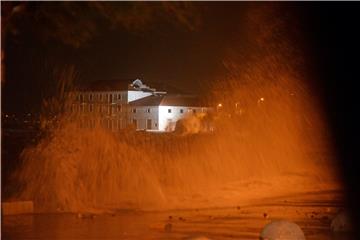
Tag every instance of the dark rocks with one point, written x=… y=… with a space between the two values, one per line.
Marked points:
x=282 y=230
x=168 y=227
x=341 y=222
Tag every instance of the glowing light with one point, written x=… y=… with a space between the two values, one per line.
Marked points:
x=261 y=100
x=219 y=105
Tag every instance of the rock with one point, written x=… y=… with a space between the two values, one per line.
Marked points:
x=168 y=227
x=86 y=215
x=282 y=230
x=341 y=222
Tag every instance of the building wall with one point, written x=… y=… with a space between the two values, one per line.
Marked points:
x=169 y=115
x=135 y=95
x=146 y=117
x=110 y=97
x=107 y=108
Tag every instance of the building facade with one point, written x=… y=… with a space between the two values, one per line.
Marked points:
x=116 y=107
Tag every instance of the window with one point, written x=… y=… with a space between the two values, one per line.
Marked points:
x=119 y=108
x=134 y=122
x=181 y=110
x=91 y=108
x=111 y=98
x=101 y=96
x=148 y=110
x=90 y=97
x=119 y=96
x=194 y=110
x=169 y=110
x=156 y=124
x=148 y=124
x=134 y=110
x=81 y=98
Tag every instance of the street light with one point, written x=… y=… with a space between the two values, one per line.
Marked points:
x=219 y=106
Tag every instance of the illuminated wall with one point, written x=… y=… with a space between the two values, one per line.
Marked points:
x=169 y=115
x=144 y=117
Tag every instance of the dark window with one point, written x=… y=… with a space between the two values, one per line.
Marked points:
x=194 y=110
x=148 y=124
x=135 y=122
x=156 y=124
x=90 y=97
x=181 y=110
x=119 y=108
x=148 y=110
x=134 y=110
x=119 y=96
x=169 y=110
x=111 y=98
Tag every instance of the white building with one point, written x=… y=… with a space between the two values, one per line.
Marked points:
x=138 y=105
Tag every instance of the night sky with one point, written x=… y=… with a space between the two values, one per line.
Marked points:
x=160 y=48
x=181 y=44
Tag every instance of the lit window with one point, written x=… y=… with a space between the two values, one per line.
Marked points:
x=169 y=110
x=181 y=110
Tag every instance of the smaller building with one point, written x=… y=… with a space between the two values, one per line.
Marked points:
x=162 y=112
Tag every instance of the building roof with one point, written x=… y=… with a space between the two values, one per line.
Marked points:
x=168 y=100
x=106 y=85
x=123 y=85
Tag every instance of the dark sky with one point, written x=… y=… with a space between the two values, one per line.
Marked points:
x=162 y=50
x=183 y=45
